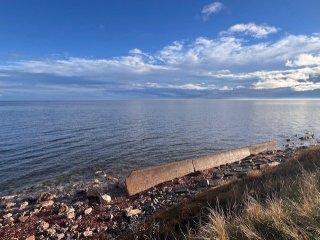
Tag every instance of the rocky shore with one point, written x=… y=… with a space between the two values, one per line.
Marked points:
x=104 y=211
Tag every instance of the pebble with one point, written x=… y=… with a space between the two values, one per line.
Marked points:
x=23 y=218
x=132 y=212
x=273 y=164
x=51 y=232
x=94 y=191
x=106 y=198
x=87 y=211
x=70 y=213
x=9 y=220
x=31 y=238
x=182 y=190
x=108 y=217
x=43 y=225
x=10 y=205
x=45 y=196
x=204 y=183
x=87 y=233
x=8 y=215
x=24 y=205
x=59 y=236
x=46 y=204
x=63 y=208
x=219 y=175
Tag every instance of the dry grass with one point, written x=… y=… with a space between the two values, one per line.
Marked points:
x=278 y=203
x=283 y=203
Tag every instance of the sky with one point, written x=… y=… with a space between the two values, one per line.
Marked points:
x=151 y=49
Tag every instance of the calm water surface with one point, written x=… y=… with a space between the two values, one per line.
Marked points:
x=52 y=143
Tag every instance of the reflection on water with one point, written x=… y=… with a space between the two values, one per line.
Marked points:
x=42 y=142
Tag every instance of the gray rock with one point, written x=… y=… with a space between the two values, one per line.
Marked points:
x=204 y=183
x=182 y=190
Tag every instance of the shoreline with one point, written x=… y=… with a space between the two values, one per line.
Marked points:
x=90 y=214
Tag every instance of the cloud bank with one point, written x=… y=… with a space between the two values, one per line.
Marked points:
x=205 y=67
x=251 y=29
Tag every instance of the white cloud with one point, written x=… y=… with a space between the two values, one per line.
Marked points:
x=135 y=51
x=297 y=79
x=86 y=67
x=187 y=86
x=251 y=29
x=304 y=60
x=210 y=9
x=204 y=64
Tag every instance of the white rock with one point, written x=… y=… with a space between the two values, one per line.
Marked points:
x=70 y=213
x=59 y=236
x=106 y=198
x=87 y=233
x=132 y=212
x=24 y=205
x=87 y=211
x=273 y=164
x=8 y=215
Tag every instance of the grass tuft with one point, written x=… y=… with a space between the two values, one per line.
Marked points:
x=280 y=204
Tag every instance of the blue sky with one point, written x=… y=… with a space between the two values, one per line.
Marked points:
x=159 y=49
